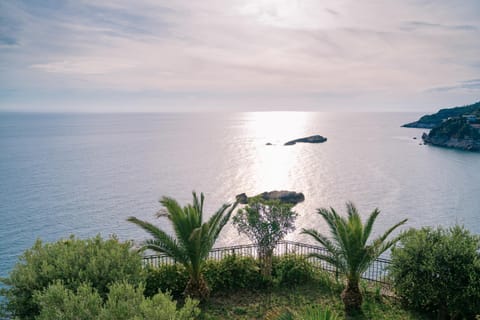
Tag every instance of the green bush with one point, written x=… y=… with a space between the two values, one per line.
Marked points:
x=230 y=273
x=438 y=271
x=169 y=277
x=124 y=302
x=292 y=270
x=72 y=261
x=234 y=272
x=309 y=313
x=57 y=302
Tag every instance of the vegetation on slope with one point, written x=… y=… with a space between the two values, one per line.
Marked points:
x=433 y=120
x=457 y=128
x=105 y=279
x=454 y=133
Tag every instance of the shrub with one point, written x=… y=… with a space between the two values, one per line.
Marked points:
x=230 y=273
x=124 y=301
x=309 y=313
x=234 y=272
x=438 y=271
x=169 y=277
x=292 y=270
x=72 y=261
x=57 y=302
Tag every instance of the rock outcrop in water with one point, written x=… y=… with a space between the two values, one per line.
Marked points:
x=311 y=139
x=457 y=127
x=283 y=196
x=454 y=133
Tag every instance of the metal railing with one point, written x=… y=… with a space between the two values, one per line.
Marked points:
x=376 y=273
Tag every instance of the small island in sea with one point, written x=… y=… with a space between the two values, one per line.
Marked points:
x=457 y=127
x=312 y=139
x=290 y=197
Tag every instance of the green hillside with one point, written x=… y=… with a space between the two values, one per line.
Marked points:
x=433 y=120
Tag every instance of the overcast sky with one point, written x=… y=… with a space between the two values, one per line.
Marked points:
x=188 y=55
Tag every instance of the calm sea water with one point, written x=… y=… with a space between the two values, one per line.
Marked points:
x=85 y=174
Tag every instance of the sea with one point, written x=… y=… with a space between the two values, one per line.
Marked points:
x=85 y=174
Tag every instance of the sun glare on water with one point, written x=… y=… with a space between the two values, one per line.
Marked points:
x=274 y=164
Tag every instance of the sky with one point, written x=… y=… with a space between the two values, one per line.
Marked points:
x=248 y=55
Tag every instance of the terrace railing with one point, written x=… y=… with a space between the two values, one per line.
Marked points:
x=378 y=271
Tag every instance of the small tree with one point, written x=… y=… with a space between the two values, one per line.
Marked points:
x=438 y=271
x=265 y=222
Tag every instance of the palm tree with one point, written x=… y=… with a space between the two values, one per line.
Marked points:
x=193 y=238
x=348 y=250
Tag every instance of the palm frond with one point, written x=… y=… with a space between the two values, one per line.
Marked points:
x=162 y=242
x=369 y=225
x=324 y=241
x=176 y=253
x=218 y=220
x=179 y=217
x=330 y=259
x=330 y=217
x=384 y=246
x=198 y=205
x=380 y=240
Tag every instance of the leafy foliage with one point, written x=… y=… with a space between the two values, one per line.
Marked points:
x=265 y=223
x=455 y=128
x=348 y=249
x=58 y=302
x=124 y=302
x=193 y=239
x=292 y=270
x=443 y=114
x=72 y=261
x=309 y=313
x=230 y=273
x=171 y=278
x=234 y=273
x=438 y=271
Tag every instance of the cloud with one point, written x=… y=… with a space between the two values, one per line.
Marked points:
x=421 y=25
x=8 y=41
x=85 y=66
x=331 y=11
x=467 y=85
x=248 y=50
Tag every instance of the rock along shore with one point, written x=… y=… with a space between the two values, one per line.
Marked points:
x=290 y=197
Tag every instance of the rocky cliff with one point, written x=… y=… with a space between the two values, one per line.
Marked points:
x=454 y=133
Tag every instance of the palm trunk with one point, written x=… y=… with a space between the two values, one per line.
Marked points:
x=197 y=288
x=352 y=297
